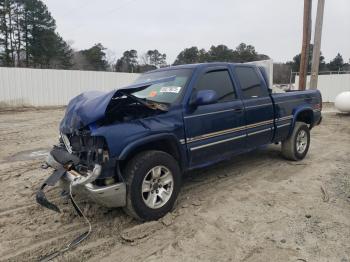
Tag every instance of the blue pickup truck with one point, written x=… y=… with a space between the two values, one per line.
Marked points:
x=129 y=147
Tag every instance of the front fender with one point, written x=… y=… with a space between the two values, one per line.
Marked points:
x=145 y=140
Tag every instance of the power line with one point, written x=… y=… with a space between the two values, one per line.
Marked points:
x=80 y=7
x=118 y=8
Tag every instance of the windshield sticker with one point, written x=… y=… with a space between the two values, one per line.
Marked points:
x=170 y=89
x=152 y=94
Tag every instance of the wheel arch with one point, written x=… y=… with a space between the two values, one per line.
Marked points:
x=168 y=143
x=303 y=114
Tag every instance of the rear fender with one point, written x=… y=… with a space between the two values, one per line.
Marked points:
x=298 y=112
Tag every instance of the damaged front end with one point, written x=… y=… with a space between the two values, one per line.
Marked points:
x=82 y=162
x=95 y=128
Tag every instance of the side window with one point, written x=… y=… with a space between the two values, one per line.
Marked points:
x=220 y=82
x=250 y=82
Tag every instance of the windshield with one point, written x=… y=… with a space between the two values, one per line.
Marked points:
x=165 y=92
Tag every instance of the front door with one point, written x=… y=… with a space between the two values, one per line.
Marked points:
x=217 y=130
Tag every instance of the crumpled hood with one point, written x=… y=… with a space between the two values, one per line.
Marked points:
x=84 y=109
x=91 y=106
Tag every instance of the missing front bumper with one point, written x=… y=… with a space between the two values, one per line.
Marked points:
x=109 y=196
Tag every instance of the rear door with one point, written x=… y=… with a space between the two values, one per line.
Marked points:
x=216 y=130
x=259 y=111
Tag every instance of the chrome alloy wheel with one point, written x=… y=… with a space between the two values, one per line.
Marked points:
x=301 y=142
x=157 y=187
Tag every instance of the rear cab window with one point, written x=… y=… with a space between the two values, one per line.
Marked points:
x=250 y=82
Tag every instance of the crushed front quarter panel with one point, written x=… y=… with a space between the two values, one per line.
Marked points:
x=118 y=136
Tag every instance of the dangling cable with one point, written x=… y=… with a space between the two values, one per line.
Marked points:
x=76 y=241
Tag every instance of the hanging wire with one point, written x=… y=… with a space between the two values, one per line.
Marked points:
x=76 y=241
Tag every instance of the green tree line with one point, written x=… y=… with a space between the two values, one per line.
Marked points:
x=282 y=73
x=130 y=62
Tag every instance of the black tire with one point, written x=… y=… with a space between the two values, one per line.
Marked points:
x=289 y=146
x=136 y=170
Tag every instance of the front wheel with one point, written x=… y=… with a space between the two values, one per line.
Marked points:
x=297 y=145
x=153 y=180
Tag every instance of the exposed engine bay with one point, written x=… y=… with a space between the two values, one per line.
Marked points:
x=93 y=150
x=126 y=107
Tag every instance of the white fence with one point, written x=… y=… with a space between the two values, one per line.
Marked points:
x=329 y=85
x=47 y=87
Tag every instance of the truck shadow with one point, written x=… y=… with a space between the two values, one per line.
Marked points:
x=233 y=166
x=197 y=180
x=192 y=180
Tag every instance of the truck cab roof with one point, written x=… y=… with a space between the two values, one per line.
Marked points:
x=198 y=65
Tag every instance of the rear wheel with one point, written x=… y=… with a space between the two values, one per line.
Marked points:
x=153 y=180
x=297 y=145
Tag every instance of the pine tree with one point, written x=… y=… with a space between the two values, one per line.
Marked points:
x=5 y=33
x=156 y=58
x=95 y=57
x=128 y=62
x=337 y=63
x=28 y=37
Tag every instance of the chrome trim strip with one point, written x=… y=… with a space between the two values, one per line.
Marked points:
x=227 y=131
x=287 y=101
x=214 y=134
x=283 y=125
x=236 y=129
x=217 y=142
x=211 y=113
x=269 y=104
x=259 y=124
x=260 y=131
x=284 y=118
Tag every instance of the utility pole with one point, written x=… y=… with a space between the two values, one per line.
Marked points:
x=317 y=44
x=306 y=44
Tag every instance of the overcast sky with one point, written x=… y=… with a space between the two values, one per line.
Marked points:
x=274 y=27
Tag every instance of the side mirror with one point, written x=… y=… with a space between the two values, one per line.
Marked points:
x=204 y=97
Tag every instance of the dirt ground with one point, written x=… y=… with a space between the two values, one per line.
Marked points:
x=256 y=207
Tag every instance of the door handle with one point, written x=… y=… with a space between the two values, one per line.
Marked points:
x=238 y=110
